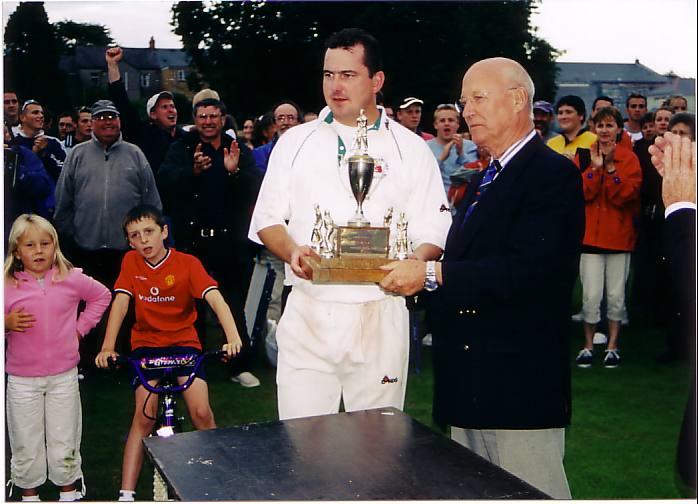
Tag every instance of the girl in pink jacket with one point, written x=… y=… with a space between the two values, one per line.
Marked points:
x=42 y=331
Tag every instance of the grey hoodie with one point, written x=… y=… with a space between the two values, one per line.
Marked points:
x=96 y=189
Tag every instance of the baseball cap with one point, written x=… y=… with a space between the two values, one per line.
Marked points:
x=103 y=106
x=544 y=106
x=153 y=100
x=410 y=100
x=205 y=94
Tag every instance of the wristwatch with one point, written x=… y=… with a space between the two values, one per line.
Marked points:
x=430 y=283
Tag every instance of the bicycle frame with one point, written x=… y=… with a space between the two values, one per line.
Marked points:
x=168 y=385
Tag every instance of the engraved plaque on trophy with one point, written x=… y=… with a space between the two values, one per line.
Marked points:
x=354 y=253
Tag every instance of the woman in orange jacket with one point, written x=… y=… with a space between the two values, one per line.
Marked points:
x=611 y=177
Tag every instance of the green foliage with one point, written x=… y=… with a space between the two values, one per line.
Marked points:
x=74 y=34
x=255 y=53
x=32 y=50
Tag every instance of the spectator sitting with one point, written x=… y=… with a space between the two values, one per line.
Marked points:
x=570 y=117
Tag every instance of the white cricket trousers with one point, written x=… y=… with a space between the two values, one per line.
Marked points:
x=44 y=422
x=357 y=352
x=599 y=272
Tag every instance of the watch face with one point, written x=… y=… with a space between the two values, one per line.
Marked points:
x=430 y=285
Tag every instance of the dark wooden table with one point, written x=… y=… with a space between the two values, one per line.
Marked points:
x=379 y=454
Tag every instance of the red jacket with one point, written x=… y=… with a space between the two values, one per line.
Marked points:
x=612 y=202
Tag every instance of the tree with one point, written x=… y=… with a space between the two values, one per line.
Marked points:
x=255 y=53
x=74 y=34
x=32 y=50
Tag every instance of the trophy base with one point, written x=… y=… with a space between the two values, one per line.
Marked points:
x=347 y=269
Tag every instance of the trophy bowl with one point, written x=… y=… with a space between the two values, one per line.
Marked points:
x=360 y=167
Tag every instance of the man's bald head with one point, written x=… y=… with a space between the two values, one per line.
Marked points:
x=497 y=97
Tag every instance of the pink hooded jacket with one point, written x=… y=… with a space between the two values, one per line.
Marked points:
x=50 y=347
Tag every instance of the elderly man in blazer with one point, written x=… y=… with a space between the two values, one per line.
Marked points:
x=503 y=288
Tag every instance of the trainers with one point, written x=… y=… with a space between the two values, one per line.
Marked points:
x=584 y=358
x=578 y=317
x=246 y=379
x=600 y=338
x=426 y=340
x=612 y=359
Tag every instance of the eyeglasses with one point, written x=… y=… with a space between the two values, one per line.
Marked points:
x=29 y=102
x=105 y=117
x=287 y=118
x=476 y=98
x=203 y=117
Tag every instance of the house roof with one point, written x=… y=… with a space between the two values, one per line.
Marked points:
x=578 y=73
x=92 y=57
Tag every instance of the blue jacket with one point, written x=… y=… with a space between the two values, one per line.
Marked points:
x=263 y=153
x=28 y=187
x=52 y=158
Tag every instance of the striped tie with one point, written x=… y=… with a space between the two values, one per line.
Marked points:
x=490 y=172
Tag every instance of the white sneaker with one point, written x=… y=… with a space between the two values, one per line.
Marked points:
x=426 y=340
x=246 y=379
x=600 y=338
x=578 y=317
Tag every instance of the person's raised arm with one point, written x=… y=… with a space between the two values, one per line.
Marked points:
x=113 y=55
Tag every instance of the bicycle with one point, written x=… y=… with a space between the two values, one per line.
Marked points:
x=167 y=386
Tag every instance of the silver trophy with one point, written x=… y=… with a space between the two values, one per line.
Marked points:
x=361 y=166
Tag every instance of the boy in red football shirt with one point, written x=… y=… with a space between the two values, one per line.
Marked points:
x=163 y=284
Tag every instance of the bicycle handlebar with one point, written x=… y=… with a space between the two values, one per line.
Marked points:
x=168 y=363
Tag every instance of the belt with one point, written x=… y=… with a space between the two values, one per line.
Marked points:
x=213 y=232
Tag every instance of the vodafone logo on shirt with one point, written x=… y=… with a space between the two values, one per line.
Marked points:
x=155 y=297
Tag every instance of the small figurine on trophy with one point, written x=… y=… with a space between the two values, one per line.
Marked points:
x=401 y=240
x=361 y=141
x=329 y=236
x=316 y=236
x=388 y=217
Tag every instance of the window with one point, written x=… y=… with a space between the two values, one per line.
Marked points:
x=145 y=80
x=181 y=75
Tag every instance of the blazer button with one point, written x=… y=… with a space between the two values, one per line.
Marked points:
x=466 y=347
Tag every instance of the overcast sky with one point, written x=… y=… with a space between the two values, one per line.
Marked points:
x=660 y=33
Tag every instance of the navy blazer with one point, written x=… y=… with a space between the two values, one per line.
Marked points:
x=501 y=317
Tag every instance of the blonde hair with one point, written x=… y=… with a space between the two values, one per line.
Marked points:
x=20 y=226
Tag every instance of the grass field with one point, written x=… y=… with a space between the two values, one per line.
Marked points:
x=621 y=443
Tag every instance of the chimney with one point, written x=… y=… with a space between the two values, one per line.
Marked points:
x=151 y=44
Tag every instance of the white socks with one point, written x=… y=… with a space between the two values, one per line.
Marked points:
x=69 y=496
x=31 y=498
x=127 y=495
